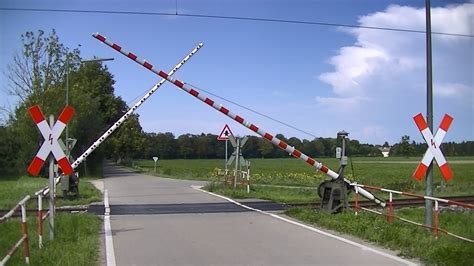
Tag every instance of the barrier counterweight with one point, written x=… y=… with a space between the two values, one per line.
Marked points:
x=219 y=107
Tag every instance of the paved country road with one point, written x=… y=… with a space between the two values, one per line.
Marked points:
x=210 y=233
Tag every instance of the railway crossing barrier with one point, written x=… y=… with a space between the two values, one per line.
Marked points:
x=51 y=134
x=219 y=107
x=390 y=216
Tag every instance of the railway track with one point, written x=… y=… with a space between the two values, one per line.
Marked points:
x=396 y=203
x=229 y=207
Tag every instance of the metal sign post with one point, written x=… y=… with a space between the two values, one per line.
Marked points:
x=238 y=144
x=51 y=189
x=226 y=155
x=429 y=112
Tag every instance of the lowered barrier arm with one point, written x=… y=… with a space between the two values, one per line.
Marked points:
x=117 y=124
x=219 y=107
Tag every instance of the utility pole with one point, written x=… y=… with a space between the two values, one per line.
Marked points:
x=429 y=113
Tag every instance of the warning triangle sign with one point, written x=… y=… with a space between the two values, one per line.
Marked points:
x=225 y=133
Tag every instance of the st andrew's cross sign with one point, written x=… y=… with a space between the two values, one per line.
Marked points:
x=433 y=151
x=51 y=136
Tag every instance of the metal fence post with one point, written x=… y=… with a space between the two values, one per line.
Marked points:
x=24 y=230
x=40 y=220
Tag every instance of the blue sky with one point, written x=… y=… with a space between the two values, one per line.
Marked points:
x=317 y=78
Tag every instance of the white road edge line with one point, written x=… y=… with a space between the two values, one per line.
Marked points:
x=109 y=242
x=363 y=247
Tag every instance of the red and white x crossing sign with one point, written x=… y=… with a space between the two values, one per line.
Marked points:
x=433 y=150
x=50 y=136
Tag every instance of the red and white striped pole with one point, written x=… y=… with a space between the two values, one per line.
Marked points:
x=219 y=107
x=24 y=231
x=117 y=124
x=390 y=208
x=436 y=220
x=40 y=220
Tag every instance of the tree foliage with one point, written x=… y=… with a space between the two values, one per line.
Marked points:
x=40 y=76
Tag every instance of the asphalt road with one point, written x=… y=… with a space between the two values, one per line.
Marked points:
x=184 y=226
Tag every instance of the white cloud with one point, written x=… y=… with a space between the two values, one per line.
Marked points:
x=340 y=103
x=382 y=75
x=453 y=90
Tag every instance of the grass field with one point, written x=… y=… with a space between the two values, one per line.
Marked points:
x=76 y=236
x=394 y=173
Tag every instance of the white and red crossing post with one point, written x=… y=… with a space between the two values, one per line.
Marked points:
x=51 y=144
x=433 y=151
x=219 y=107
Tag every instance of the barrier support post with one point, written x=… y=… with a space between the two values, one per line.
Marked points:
x=24 y=230
x=390 y=208
x=436 y=221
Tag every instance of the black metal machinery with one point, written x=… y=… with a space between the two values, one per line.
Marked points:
x=334 y=192
x=70 y=185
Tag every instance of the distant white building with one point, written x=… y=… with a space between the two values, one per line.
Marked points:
x=385 y=151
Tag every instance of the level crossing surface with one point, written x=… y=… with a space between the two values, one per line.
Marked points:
x=215 y=238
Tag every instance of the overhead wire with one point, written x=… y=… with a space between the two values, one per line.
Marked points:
x=254 y=111
x=318 y=23
x=301 y=22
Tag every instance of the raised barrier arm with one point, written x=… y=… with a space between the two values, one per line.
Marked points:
x=117 y=124
x=219 y=107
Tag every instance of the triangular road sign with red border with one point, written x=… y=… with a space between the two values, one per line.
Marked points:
x=225 y=133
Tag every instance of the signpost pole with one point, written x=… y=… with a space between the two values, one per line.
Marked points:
x=51 y=188
x=237 y=162
x=155 y=158
x=429 y=113
x=226 y=156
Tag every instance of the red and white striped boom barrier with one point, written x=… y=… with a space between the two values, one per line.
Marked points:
x=117 y=124
x=219 y=107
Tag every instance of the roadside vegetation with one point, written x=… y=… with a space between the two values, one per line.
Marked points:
x=410 y=241
x=76 y=237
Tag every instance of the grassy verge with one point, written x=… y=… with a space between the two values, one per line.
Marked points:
x=76 y=241
x=76 y=236
x=12 y=190
x=275 y=194
x=410 y=240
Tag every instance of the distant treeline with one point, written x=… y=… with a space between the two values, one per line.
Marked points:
x=206 y=146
